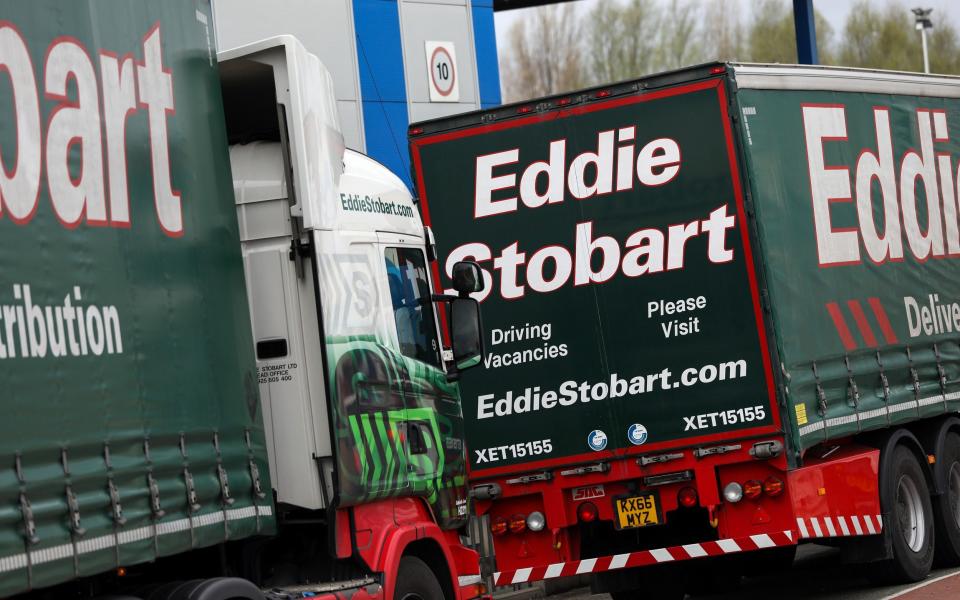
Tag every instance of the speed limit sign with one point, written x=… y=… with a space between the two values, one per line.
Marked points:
x=442 y=72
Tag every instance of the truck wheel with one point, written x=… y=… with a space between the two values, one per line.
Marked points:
x=416 y=581
x=905 y=498
x=946 y=507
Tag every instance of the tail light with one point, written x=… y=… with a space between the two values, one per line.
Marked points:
x=498 y=526
x=587 y=512
x=518 y=523
x=687 y=497
x=752 y=489
x=773 y=486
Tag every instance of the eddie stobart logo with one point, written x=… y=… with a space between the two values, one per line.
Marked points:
x=90 y=117
x=597 y=440
x=374 y=205
x=619 y=164
x=934 y=234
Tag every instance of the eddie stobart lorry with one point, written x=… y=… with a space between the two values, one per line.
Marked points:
x=154 y=443
x=722 y=310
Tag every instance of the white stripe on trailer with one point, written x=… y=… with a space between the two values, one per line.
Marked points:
x=816 y=527
x=856 y=524
x=763 y=540
x=619 y=561
x=103 y=542
x=869 y=522
x=554 y=570
x=843 y=526
x=522 y=575
x=586 y=565
x=830 y=528
x=879 y=524
x=661 y=555
x=728 y=546
x=802 y=526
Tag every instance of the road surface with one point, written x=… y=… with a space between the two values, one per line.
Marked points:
x=818 y=575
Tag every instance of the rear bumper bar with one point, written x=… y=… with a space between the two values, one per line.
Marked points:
x=642 y=558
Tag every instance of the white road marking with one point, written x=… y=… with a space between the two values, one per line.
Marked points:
x=922 y=584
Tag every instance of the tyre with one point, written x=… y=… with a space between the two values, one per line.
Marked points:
x=416 y=581
x=946 y=507
x=905 y=499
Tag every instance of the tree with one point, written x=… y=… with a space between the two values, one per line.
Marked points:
x=678 y=44
x=944 y=49
x=561 y=49
x=544 y=54
x=771 y=36
x=722 y=31
x=623 y=40
x=880 y=39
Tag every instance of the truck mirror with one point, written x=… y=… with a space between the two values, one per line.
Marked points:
x=467 y=278
x=467 y=333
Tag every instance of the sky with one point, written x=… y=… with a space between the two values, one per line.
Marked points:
x=835 y=12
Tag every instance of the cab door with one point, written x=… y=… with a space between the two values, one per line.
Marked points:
x=433 y=422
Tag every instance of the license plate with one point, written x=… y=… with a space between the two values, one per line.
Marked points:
x=637 y=511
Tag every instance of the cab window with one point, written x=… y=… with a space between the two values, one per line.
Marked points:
x=412 y=306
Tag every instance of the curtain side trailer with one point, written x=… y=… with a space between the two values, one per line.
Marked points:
x=722 y=317
x=215 y=386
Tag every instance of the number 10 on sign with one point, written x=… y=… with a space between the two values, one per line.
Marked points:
x=442 y=76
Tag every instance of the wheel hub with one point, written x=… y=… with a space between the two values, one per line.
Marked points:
x=910 y=511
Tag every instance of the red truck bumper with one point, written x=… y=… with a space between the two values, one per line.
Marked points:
x=833 y=495
x=643 y=558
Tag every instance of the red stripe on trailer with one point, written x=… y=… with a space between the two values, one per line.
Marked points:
x=841 y=325
x=884 y=321
x=862 y=324
x=643 y=558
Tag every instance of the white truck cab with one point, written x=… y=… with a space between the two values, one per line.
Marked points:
x=359 y=398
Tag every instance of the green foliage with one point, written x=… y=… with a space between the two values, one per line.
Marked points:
x=944 y=47
x=880 y=39
x=561 y=48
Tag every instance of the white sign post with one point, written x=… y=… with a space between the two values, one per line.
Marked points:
x=442 y=72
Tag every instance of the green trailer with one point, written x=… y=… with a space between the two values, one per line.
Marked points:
x=220 y=364
x=730 y=289
x=132 y=428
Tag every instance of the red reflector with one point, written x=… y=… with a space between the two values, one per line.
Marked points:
x=498 y=526
x=416 y=131
x=604 y=94
x=773 y=486
x=752 y=489
x=587 y=512
x=687 y=497
x=564 y=101
x=525 y=109
x=518 y=523
x=717 y=70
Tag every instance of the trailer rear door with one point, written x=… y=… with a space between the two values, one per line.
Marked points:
x=621 y=307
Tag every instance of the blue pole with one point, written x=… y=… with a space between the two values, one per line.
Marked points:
x=805 y=26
